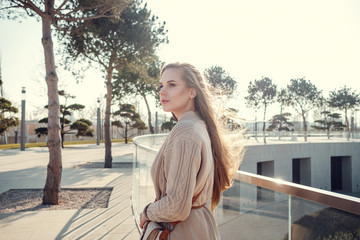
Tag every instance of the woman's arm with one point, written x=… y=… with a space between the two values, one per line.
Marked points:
x=185 y=160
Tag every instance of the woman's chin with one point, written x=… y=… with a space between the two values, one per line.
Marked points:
x=165 y=109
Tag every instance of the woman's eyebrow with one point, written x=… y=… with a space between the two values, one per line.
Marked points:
x=169 y=81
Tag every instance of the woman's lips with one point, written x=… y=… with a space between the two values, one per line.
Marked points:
x=164 y=101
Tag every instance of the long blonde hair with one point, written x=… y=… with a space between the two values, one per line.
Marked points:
x=226 y=158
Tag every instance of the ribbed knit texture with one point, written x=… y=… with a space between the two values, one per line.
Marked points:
x=182 y=167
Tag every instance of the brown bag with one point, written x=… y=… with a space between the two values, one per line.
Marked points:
x=154 y=231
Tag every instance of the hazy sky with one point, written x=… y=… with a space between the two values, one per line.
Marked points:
x=280 y=39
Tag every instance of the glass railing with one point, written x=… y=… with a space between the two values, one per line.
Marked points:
x=268 y=208
x=258 y=207
x=146 y=148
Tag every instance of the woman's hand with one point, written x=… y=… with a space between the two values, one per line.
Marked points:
x=142 y=220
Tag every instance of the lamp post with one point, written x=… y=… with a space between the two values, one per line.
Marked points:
x=23 y=96
x=98 y=130
x=156 y=123
x=16 y=135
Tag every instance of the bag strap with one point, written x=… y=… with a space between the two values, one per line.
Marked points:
x=193 y=201
x=197 y=195
x=166 y=232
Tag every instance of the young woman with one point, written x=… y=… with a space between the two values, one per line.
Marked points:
x=194 y=159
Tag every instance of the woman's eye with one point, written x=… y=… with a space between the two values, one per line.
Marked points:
x=171 y=85
x=160 y=87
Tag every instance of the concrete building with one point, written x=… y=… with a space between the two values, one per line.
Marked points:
x=332 y=165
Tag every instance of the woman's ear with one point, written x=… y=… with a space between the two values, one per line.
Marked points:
x=192 y=93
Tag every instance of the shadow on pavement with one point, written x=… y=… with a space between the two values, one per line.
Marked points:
x=117 y=219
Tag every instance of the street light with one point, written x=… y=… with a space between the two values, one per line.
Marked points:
x=16 y=135
x=156 y=123
x=98 y=123
x=23 y=98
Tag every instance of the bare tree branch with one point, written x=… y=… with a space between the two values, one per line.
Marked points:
x=69 y=19
x=60 y=7
x=10 y=7
x=78 y=9
x=32 y=6
x=92 y=59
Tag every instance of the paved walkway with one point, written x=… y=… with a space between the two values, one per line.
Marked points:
x=27 y=169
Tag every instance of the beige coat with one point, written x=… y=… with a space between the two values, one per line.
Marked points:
x=182 y=167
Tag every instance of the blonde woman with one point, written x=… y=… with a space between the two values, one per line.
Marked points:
x=194 y=159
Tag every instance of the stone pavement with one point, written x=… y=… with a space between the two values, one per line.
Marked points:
x=27 y=169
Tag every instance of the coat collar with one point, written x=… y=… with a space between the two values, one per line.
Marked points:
x=190 y=115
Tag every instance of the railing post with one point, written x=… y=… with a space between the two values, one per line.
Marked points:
x=23 y=123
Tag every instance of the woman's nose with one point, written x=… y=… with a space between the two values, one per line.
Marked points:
x=162 y=92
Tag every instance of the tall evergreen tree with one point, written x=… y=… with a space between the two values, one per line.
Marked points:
x=130 y=117
x=304 y=96
x=1 y=82
x=261 y=93
x=283 y=99
x=330 y=121
x=281 y=122
x=344 y=99
x=7 y=110
x=58 y=15
x=221 y=80
x=67 y=110
x=168 y=125
x=112 y=44
x=139 y=78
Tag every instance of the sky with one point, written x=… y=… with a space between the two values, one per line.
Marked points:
x=280 y=39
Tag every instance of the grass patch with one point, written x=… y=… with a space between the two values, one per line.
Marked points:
x=31 y=145
x=17 y=145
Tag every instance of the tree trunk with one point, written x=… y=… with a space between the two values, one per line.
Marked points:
x=347 y=126
x=264 y=125
x=256 y=126
x=126 y=130
x=108 y=157
x=346 y=121
x=151 y=128
x=54 y=169
x=305 y=127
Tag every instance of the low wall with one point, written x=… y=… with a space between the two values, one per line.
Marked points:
x=318 y=161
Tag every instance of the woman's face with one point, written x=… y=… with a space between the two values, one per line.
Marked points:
x=175 y=96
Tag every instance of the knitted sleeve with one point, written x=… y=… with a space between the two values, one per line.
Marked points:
x=185 y=160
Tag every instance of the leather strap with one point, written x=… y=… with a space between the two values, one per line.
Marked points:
x=197 y=195
x=193 y=201
x=197 y=207
x=164 y=235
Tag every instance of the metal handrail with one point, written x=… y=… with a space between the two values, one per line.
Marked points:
x=331 y=199
x=138 y=143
